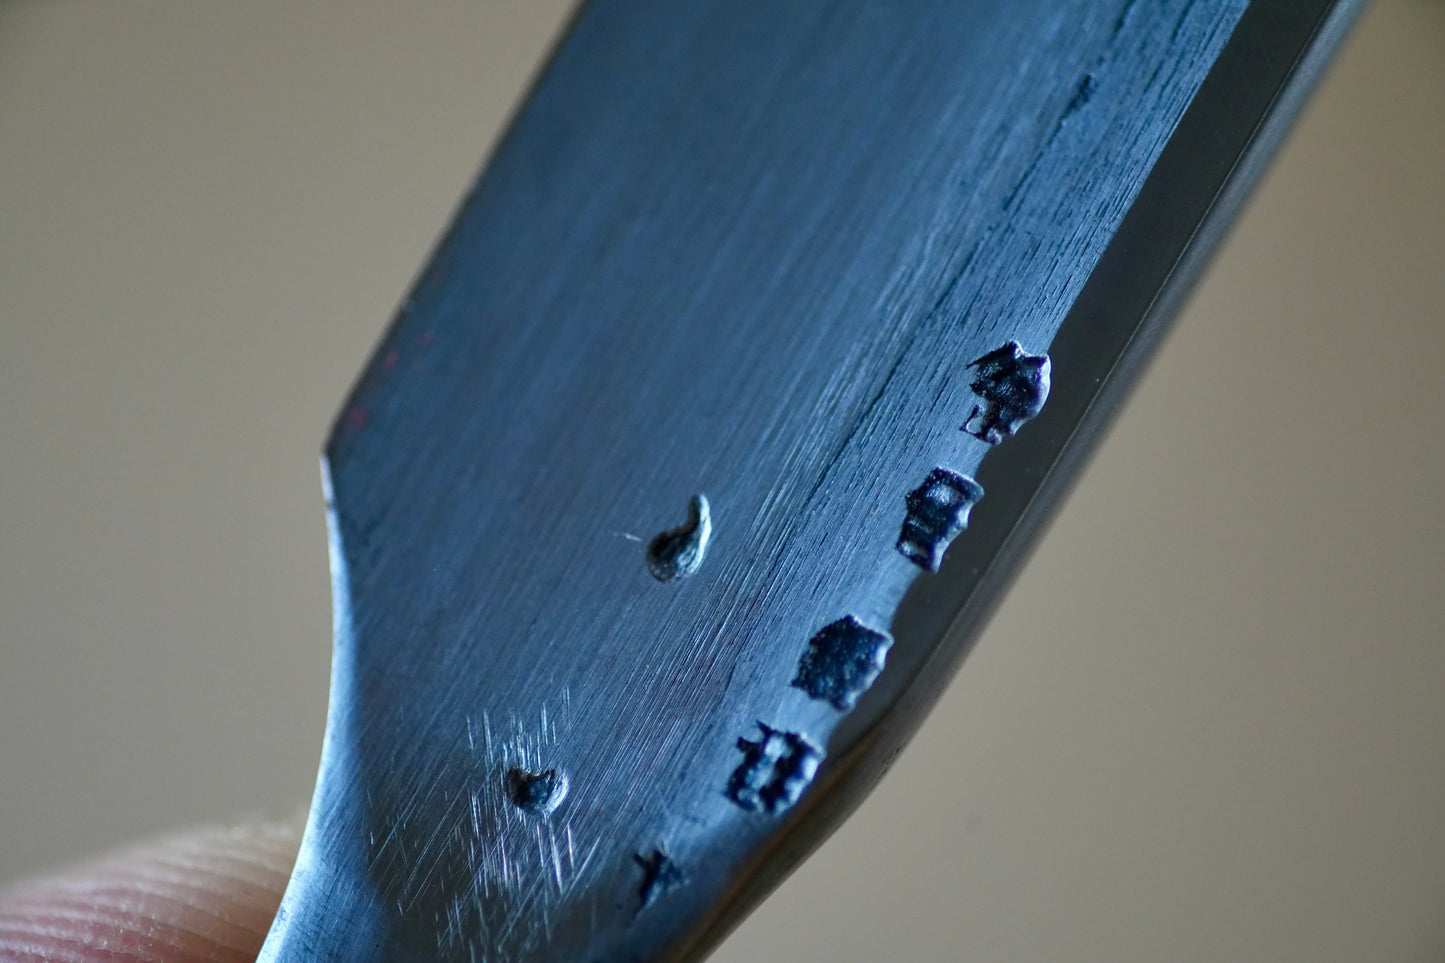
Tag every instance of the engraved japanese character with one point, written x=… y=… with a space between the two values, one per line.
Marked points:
x=1014 y=386
x=659 y=876
x=775 y=770
x=842 y=661
x=937 y=511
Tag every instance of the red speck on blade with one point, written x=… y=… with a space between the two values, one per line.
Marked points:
x=356 y=418
x=390 y=359
x=425 y=339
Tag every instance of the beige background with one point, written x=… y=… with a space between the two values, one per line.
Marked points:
x=1207 y=725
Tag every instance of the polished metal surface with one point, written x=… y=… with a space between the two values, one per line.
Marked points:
x=803 y=280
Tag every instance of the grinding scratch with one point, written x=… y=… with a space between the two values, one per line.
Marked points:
x=498 y=866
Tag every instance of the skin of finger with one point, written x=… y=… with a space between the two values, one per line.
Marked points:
x=207 y=894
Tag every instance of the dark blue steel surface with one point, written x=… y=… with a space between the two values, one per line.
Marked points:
x=743 y=250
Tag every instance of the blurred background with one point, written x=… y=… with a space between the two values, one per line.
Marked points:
x=1208 y=723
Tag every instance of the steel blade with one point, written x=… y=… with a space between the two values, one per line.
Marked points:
x=714 y=429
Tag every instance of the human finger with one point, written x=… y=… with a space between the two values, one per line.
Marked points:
x=206 y=894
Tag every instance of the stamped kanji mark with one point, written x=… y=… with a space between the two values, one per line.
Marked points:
x=775 y=770
x=937 y=511
x=842 y=661
x=678 y=552
x=1013 y=385
x=659 y=875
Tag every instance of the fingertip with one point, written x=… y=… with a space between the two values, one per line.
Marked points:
x=204 y=894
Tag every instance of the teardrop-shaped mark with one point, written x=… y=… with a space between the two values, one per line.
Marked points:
x=678 y=552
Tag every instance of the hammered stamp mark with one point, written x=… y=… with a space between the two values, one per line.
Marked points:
x=1013 y=385
x=841 y=662
x=937 y=511
x=774 y=772
x=659 y=876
